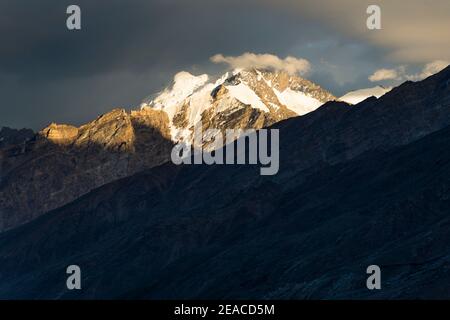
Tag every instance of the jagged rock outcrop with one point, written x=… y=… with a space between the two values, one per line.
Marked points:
x=60 y=133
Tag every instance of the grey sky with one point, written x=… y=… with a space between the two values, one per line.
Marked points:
x=127 y=50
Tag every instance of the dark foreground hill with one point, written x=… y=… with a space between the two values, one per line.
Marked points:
x=357 y=186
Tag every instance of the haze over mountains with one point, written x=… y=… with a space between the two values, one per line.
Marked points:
x=358 y=185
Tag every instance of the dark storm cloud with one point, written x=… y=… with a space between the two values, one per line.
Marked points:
x=132 y=35
x=127 y=50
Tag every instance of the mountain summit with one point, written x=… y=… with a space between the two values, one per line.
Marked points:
x=242 y=99
x=63 y=162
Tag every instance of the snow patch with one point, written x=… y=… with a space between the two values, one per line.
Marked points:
x=246 y=95
x=297 y=101
x=355 y=97
x=185 y=84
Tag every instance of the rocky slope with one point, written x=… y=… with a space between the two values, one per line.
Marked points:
x=63 y=162
x=358 y=185
x=13 y=137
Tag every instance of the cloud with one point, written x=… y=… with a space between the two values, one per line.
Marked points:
x=429 y=69
x=400 y=73
x=417 y=33
x=384 y=74
x=143 y=43
x=289 y=64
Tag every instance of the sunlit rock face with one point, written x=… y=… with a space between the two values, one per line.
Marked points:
x=63 y=162
x=60 y=133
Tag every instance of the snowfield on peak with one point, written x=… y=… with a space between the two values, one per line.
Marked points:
x=241 y=99
x=297 y=101
x=185 y=84
x=355 y=97
x=247 y=96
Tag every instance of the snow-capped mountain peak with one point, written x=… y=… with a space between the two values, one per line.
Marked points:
x=184 y=85
x=237 y=100
x=355 y=97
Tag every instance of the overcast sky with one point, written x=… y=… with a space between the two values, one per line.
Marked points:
x=127 y=50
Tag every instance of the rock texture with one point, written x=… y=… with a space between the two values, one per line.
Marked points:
x=12 y=137
x=63 y=162
x=60 y=133
x=243 y=99
x=358 y=185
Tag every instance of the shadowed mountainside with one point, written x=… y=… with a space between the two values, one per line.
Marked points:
x=361 y=185
x=63 y=162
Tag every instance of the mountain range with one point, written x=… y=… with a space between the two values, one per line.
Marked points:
x=44 y=171
x=358 y=185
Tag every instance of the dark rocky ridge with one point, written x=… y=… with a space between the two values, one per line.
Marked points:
x=10 y=136
x=62 y=162
x=361 y=185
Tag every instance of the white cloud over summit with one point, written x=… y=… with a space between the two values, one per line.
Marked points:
x=429 y=69
x=400 y=74
x=384 y=74
x=289 y=64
